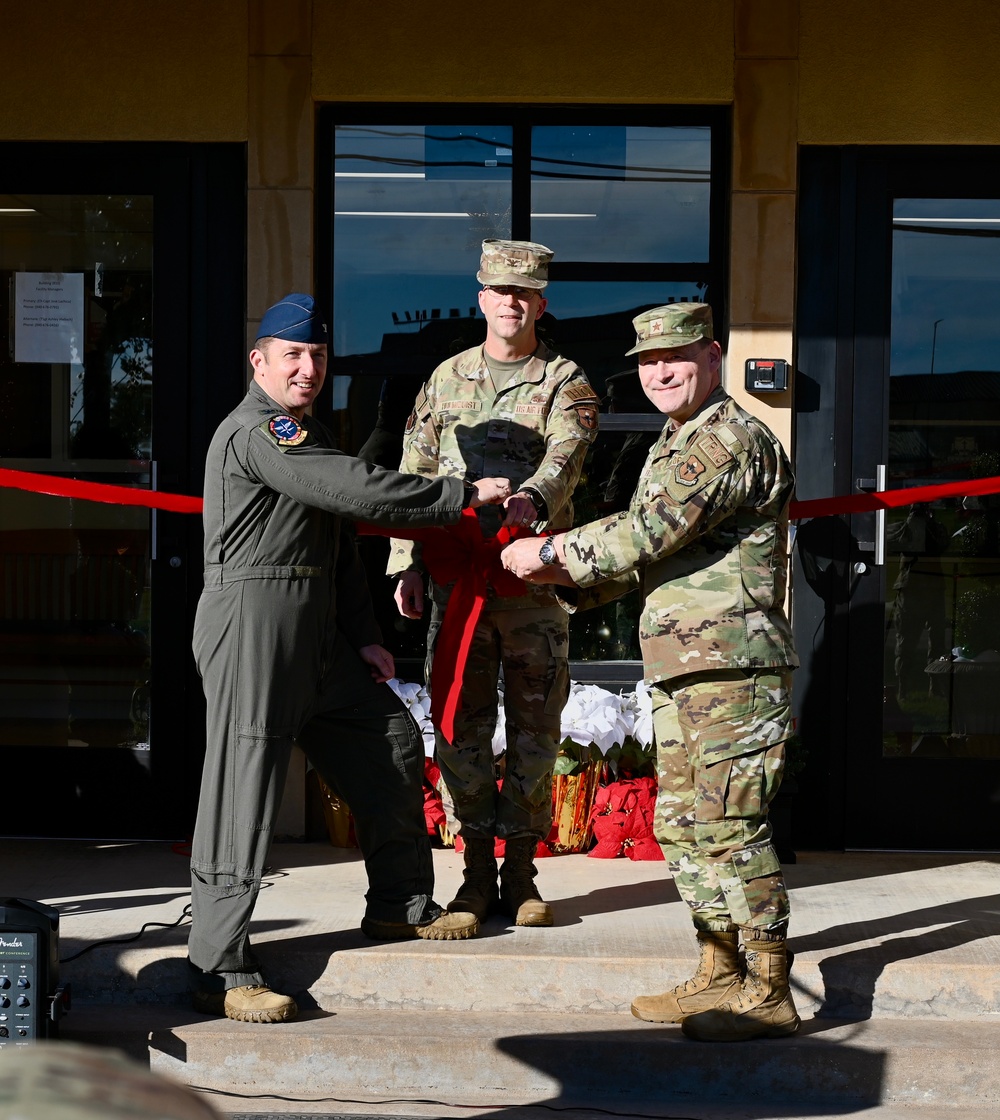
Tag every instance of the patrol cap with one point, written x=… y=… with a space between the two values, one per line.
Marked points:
x=521 y=263
x=294 y=319
x=674 y=324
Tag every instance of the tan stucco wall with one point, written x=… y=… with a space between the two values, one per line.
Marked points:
x=125 y=70
x=795 y=71
x=899 y=72
x=590 y=51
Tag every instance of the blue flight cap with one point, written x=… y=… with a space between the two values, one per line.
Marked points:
x=294 y=319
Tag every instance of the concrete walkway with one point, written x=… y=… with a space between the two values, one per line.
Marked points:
x=897 y=978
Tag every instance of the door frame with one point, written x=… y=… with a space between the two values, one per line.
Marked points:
x=199 y=273
x=843 y=317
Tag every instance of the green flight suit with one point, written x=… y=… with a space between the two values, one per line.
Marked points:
x=535 y=430
x=705 y=541
x=284 y=610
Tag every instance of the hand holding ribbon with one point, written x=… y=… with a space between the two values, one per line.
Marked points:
x=461 y=555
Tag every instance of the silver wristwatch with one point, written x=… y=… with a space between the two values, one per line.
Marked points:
x=547 y=553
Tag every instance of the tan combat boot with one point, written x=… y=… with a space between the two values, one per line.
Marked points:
x=518 y=893
x=476 y=897
x=763 y=1007
x=256 y=1003
x=716 y=980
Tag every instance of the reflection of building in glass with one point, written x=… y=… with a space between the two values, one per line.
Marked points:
x=943 y=611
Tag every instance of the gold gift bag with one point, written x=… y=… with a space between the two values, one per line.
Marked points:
x=572 y=801
x=337 y=814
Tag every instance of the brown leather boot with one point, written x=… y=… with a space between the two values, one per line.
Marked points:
x=518 y=894
x=763 y=1007
x=716 y=980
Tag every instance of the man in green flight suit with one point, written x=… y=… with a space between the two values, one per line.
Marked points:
x=705 y=541
x=289 y=651
x=514 y=408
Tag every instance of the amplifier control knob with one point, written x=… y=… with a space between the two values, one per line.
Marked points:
x=4 y=1001
x=4 y=982
x=23 y=982
x=23 y=1001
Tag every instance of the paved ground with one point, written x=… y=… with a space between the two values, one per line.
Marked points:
x=896 y=954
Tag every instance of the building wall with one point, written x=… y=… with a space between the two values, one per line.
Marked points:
x=253 y=71
x=121 y=70
x=794 y=71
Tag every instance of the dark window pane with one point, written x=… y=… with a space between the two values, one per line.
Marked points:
x=622 y=192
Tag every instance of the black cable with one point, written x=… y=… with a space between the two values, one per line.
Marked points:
x=185 y=913
x=444 y=1104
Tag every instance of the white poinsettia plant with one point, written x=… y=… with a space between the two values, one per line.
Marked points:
x=597 y=725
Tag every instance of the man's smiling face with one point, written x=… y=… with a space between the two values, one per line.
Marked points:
x=291 y=373
x=678 y=379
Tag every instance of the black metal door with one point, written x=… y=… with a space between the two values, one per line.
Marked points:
x=898 y=612
x=123 y=275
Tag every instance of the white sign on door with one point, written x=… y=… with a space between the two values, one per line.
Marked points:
x=48 y=317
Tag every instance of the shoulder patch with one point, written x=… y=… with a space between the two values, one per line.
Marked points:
x=711 y=446
x=285 y=430
x=688 y=471
x=581 y=391
x=587 y=415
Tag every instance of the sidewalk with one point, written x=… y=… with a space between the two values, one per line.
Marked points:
x=897 y=978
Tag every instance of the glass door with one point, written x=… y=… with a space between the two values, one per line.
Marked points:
x=121 y=347
x=923 y=648
x=942 y=631
x=76 y=376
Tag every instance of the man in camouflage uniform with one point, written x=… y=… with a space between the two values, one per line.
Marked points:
x=510 y=407
x=705 y=541
x=289 y=651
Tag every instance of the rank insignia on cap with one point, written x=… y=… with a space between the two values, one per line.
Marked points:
x=690 y=470
x=287 y=431
x=655 y=328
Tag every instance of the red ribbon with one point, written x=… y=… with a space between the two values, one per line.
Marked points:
x=892 y=499
x=459 y=554
x=98 y=491
x=181 y=503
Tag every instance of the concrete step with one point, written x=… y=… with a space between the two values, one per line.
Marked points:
x=450 y=1060
x=875 y=936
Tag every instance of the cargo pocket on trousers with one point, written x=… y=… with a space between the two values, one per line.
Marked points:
x=258 y=779
x=558 y=690
x=729 y=801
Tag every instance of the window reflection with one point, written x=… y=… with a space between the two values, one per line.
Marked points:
x=412 y=205
x=623 y=192
x=411 y=208
x=76 y=401
x=942 y=653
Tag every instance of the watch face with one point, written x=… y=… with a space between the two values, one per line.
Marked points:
x=547 y=553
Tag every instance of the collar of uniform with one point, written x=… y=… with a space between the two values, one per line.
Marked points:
x=533 y=369
x=268 y=406
x=709 y=407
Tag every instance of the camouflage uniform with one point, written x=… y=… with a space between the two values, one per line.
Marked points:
x=705 y=542
x=535 y=431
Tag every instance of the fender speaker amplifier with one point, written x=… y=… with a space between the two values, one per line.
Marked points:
x=31 y=998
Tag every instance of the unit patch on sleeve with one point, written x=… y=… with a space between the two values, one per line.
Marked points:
x=690 y=470
x=581 y=393
x=286 y=431
x=714 y=449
